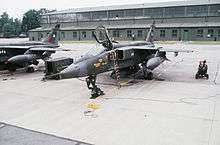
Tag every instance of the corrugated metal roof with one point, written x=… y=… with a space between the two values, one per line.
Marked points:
x=136 y=6
x=136 y=26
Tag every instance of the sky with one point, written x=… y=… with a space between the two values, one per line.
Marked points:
x=16 y=8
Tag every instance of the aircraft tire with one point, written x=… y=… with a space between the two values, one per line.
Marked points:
x=197 y=76
x=150 y=76
x=11 y=69
x=207 y=76
x=36 y=62
x=30 y=70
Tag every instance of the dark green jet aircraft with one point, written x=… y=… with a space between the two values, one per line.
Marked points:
x=123 y=59
x=19 y=55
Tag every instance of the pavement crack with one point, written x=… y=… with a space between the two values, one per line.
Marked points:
x=184 y=100
x=216 y=74
x=212 y=123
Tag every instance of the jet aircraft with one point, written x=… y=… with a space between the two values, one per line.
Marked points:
x=19 y=55
x=119 y=58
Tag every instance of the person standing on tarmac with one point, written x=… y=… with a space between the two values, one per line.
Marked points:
x=200 y=66
x=205 y=67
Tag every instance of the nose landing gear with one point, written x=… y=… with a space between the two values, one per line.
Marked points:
x=29 y=69
x=95 y=91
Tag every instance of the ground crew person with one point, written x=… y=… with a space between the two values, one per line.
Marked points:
x=204 y=67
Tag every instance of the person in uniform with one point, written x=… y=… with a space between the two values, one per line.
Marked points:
x=200 y=67
x=204 y=67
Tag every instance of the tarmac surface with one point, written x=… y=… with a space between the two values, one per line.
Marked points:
x=12 y=135
x=172 y=109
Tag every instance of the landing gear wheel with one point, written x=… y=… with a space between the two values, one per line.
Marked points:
x=207 y=76
x=150 y=76
x=35 y=62
x=197 y=76
x=95 y=91
x=11 y=69
x=30 y=70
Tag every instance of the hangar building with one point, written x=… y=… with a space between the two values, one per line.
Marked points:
x=181 y=20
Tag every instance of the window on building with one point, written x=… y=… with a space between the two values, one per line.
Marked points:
x=197 y=11
x=174 y=33
x=129 y=33
x=44 y=19
x=116 y=33
x=83 y=34
x=200 y=33
x=99 y=15
x=153 y=13
x=84 y=16
x=140 y=34
x=63 y=35
x=174 y=12
x=162 y=33
x=214 y=10
x=40 y=35
x=92 y=34
x=74 y=34
x=134 y=13
x=69 y=17
x=54 y=18
x=210 y=33
x=116 y=14
x=219 y=33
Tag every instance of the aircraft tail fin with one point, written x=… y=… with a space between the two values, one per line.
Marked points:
x=53 y=35
x=150 y=35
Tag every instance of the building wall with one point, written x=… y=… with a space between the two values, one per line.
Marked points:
x=185 y=34
x=175 y=23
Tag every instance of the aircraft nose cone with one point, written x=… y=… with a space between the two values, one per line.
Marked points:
x=12 y=60
x=70 y=72
x=7 y=62
x=17 y=59
x=153 y=63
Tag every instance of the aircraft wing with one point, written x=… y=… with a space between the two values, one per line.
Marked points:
x=177 y=48
x=4 y=47
x=48 y=49
x=160 y=48
x=14 y=47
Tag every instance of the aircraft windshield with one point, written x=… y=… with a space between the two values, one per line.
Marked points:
x=91 y=53
x=101 y=34
x=95 y=51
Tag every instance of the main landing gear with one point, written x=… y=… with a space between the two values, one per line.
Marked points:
x=95 y=91
x=30 y=69
x=147 y=74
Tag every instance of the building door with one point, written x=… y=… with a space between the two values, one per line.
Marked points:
x=185 y=35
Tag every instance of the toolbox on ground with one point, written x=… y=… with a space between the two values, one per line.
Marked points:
x=56 y=65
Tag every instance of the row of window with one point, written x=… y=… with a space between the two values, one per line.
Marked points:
x=210 y=33
x=74 y=35
x=162 y=34
x=199 y=33
x=115 y=34
x=181 y=11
